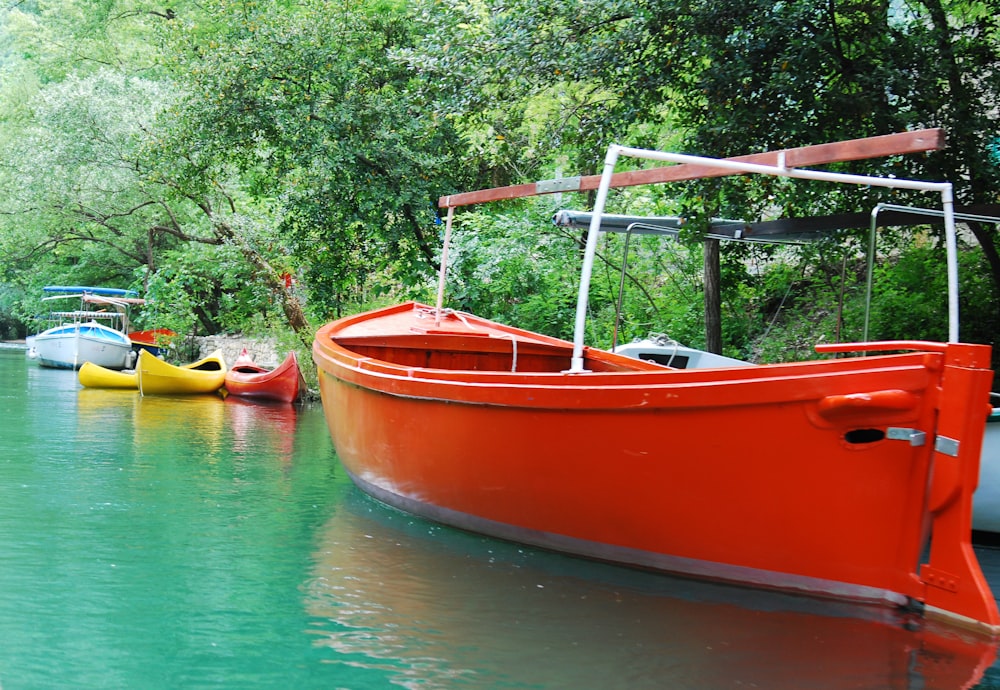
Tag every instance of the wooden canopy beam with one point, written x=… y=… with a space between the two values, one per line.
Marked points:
x=818 y=154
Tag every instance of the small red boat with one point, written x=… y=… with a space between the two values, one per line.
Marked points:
x=249 y=380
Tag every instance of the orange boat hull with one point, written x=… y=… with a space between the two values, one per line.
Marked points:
x=809 y=476
x=246 y=379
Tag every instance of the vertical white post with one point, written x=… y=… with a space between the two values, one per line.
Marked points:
x=870 y=270
x=576 y=363
x=951 y=244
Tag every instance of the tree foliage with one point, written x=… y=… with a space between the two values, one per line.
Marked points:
x=303 y=100
x=249 y=161
x=731 y=78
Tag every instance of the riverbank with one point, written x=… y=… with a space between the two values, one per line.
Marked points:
x=264 y=351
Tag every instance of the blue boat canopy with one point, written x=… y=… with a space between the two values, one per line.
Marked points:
x=81 y=289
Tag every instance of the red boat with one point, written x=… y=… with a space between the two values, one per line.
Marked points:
x=155 y=340
x=249 y=380
x=848 y=477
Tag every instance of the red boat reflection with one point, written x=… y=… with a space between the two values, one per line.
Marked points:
x=445 y=607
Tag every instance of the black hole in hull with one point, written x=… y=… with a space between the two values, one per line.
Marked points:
x=864 y=435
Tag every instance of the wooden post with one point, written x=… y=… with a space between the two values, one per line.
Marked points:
x=713 y=296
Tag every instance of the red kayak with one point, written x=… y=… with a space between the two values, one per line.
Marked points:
x=249 y=380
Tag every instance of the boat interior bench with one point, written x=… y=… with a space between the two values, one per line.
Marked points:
x=474 y=353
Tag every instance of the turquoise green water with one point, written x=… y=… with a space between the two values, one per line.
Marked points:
x=202 y=543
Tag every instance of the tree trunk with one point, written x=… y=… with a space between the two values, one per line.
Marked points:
x=207 y=322
x=291 y=306
x=713 y=299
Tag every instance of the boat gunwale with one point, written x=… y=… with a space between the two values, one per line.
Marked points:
x=623 y=398
x=657 y=389
x=197 y=367
x=334 y=344
x=334 y=348
x=77 y=329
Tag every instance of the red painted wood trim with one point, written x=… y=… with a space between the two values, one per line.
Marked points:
x=817 y=154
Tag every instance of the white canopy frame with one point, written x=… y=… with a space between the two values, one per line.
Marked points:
x=615 y=151
x=952 y=257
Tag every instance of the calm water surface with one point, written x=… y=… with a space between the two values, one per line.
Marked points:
x=201 y=543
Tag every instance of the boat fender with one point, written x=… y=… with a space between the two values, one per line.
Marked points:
x=835 y=406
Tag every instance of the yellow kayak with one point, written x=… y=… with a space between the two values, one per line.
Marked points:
x=95 y=376
x=156 y=377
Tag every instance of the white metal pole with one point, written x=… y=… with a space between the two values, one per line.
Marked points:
x=614 y=151
x=576 y=363
x=870 y=272
x=951 y=243
x=778 y=171
x=951 y=246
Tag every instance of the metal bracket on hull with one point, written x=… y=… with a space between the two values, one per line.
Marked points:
x=914 y=436
x=948 y=446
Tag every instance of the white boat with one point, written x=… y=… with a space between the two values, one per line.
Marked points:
x=94 y=333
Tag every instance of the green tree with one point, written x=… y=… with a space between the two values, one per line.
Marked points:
x=731 y=78
x=86 y=167
x=530 y=85
x=305 y=101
